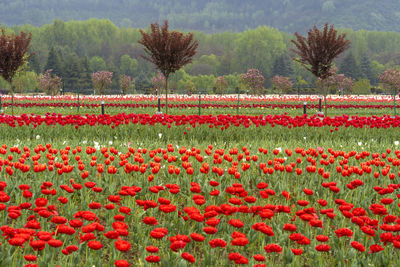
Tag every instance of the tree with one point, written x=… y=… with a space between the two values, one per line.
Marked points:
x=97 y=63
x=85 y=77
x=220 y=85
x=282 y=84
x=72 y=72
x=34 y=64
x=189 y=87
x=349 y=67
x=343 y=83
x=101 y=80
x=317 y=52
x=126 y=83
x=362 y=87
x=25 y=81
x=13 y=55
x=254 y=80
x=365 y=67
x=50 y=83
x=128 y=65
x=390 y=79
x=336 y=82
x=54 y=62
x=258 y=48
x=143 y=82
x=168 y=50
x=158 y=83
x=282 y=66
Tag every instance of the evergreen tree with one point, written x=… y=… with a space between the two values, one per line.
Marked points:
x=279 y=67
x=54 y=62
x=34 y=64
x=85 y=79
x=143 y=83
x=115 y=85
x=365 y=66
x=349 y=67
x=282 y=66
x=72 y=72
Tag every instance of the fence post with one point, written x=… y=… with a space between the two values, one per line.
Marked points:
x=320 y=104
x=78 y=98
x=199 y=102
x=159 y=102
x=305 y=108
x=394 y=101
x=237 y=108
x=102 y=107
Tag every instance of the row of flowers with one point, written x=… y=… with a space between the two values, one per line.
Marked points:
x=209 y=98
x=219 y=121
x=188 y=105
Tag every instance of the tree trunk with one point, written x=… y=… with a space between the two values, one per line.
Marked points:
x=326 y=107
x=12 y=97
x=166 y=95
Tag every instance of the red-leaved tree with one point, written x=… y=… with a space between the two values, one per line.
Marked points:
x=13 y=55
x=168 y=50
x=317 y=52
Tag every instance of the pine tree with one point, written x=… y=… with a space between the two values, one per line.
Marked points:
x=115 y=85
x=54 y=62
x=143 y=83
x=34 y=64
x=349 y=67
x=85 y=79
x=279 y=67
x=71 y=74
x=282 y=66
x=365 y=66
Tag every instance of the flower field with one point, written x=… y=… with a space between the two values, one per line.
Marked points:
x=187 y=190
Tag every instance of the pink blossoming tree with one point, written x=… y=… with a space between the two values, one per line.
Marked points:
x=125 y=83
x=220 y=85
x=282 y=84
x=101 y=81
x=50 y=83
x=390 y=79
x=254 y=81
x=158 y=83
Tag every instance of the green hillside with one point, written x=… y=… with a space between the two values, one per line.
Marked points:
x=210 y=15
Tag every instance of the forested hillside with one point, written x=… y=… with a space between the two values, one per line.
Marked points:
x=210 y=15
x=76 y=49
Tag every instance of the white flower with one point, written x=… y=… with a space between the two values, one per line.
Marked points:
x=37 y=136
x=280 y=149
x=396 y=143
x=359 y=143
x=305 y=138
x=84 y=142
x=110 y=143
x=160 y=135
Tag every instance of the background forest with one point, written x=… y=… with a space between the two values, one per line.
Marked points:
x=210 y=15
x=76 y=49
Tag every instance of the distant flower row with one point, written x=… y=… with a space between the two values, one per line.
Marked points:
x=212 y=98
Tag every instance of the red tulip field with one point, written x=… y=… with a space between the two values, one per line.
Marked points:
x=187 y=190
